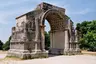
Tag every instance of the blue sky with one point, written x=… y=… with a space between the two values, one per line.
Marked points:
x=77 y=10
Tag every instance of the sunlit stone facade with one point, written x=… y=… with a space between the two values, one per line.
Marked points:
x=28 y=39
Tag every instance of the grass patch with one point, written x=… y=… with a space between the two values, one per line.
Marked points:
x=12 y=58
x=88 y=52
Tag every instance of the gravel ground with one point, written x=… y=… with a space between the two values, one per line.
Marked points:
x=2 y=56
x=76 y=59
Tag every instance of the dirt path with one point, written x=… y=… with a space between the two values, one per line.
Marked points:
x=77 y=59
x=3 y=54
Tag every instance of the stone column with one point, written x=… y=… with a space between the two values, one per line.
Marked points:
x=43 y=37
x=76 y=36
x=51 y=39
x=70 y=46
x=66 y=41
x=36 y=40
x=71 y=42
x=77 y=46
x=76 y=40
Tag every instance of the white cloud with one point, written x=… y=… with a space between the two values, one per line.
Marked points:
x=81 y=12
x=5 y=15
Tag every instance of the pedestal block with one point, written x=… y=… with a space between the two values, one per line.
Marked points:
x=25 y=54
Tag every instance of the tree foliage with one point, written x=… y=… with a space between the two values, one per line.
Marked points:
x=1 y=44
x=47 y=40
x=87 y=30
x=6 y=46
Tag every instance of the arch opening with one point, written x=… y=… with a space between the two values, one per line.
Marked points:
x=47 y=35
x=55 y=20
x=56 y=32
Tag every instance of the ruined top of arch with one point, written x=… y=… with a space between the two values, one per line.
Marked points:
x=45 y=6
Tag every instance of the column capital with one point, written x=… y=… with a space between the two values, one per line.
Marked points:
x=66 y=29
x=42 y=26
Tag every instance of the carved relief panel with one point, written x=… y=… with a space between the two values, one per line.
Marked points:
x=30 y=27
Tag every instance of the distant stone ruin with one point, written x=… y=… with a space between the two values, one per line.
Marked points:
x=28 y=39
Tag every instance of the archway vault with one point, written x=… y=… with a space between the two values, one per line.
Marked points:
x=55 y=18
x=28 y=37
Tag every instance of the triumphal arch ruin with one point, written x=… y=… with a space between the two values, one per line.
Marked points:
x=28 y=39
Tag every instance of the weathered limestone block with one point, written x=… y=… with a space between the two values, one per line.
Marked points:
x=28 y=39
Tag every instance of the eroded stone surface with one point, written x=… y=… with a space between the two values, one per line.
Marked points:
x=28 y=37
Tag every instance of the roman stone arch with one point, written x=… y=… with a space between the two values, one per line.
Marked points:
x=28 y=41
x=57 y=22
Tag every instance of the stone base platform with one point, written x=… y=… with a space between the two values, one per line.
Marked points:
x=72 y=52
x=25 y=54
x=56 y=51
x=64 y=52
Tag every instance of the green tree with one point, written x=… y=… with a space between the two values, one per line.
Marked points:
x=88 y=35
x=90 y=40
x=1 y=44
x=83 y=27
x=6 y=46
x=47 y=40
